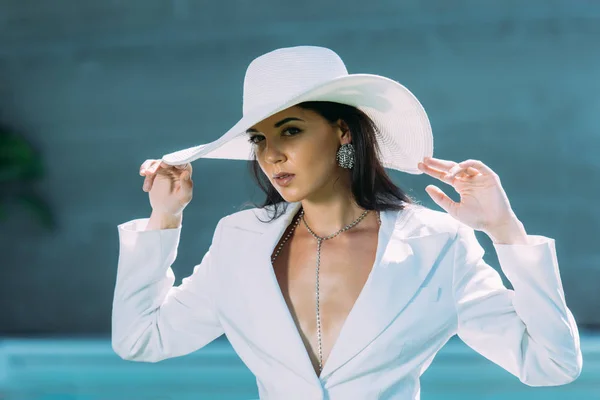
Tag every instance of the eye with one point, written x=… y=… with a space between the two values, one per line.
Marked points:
x=291 y=129
x=255 y=139
x=252 y=139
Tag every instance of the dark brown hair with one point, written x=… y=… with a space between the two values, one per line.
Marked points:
x=372 y=188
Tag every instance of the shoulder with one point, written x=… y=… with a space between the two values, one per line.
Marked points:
x=422 y=221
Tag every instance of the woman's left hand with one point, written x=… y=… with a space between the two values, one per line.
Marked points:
x=483 y=203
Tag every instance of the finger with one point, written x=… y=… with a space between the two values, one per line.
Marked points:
x=173 y=170
x=184 y=176
x=180 y=166
x=189 y=183
x=453 y=172
x=438 y=163
x=185 y=180
x=146 y=185
x=461 y=173
x=184 y=186
x=145 y=165
x=185 y=167
x=472 y=171
x=441 y=199
x=167 y=171
x=481 y=167
x=436 y=173
x=148 y=168
x=150 y=178
x=156 y=166
x=149 y=182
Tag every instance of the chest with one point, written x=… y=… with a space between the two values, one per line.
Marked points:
x=344 y=267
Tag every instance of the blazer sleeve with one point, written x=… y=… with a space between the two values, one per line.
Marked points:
x=528 y=331
x=151 y=319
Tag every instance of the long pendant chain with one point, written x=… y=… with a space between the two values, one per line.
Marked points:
x=319 y=242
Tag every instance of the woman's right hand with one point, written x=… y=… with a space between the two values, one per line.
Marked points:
x=170 y=187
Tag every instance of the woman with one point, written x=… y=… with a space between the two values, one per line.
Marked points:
x=339 y=286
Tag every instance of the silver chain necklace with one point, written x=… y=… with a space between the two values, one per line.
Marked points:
x=319 y=241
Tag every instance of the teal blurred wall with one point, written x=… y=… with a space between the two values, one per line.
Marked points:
x=99 y=86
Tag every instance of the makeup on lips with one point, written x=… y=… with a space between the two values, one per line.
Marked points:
x=283 y=179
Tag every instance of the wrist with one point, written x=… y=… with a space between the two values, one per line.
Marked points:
x=512 y=232
x=160 y=220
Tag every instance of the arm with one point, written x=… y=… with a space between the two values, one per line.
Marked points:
x=528 y=331
x=151 y=319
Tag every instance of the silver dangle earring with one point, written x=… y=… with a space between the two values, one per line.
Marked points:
x=345 y=156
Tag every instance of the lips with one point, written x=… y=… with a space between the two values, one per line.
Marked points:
x=284 y=179
x=281 y=175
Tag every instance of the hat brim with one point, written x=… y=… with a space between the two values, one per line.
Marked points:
x=404 y=132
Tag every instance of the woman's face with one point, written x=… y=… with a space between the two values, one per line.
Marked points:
x=303 y=143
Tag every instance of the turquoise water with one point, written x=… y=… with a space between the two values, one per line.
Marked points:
x=87 y=369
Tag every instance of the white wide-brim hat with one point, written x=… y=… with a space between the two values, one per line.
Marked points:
x=285 y=77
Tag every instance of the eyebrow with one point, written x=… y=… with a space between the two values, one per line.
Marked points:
x=278 y=124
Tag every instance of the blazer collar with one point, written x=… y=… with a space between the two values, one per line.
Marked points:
x=401 y=265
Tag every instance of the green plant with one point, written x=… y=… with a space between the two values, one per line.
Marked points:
x=20 y=167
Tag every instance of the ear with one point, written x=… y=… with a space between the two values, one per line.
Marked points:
x=344 y=133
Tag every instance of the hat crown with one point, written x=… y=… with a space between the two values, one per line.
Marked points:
x=280 y=75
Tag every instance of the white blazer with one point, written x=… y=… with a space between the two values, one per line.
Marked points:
x=428 y=283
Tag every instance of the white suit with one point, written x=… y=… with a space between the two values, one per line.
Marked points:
x=428 y=283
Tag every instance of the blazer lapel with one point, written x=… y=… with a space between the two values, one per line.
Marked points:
x=279 y=336
x=402 y=265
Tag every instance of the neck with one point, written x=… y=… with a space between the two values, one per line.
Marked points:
x=326 y=218
x=333 y=208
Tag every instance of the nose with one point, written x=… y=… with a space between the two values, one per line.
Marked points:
x=273 y=154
